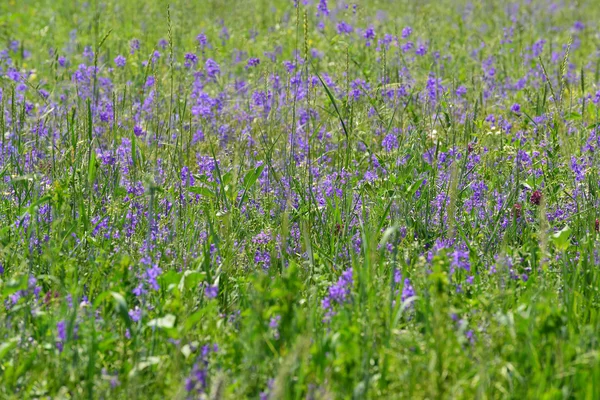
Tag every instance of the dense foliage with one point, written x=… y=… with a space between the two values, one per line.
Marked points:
x=299 y=199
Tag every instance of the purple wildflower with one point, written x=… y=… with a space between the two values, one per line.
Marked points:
x=197 y=383
x=211 y=291
x=339 y=293
x=202 y=40
x=190 y=60
x=61 y=328
x=212 y=68
x=134 y=45
x=120 y=61
x=322 y=7
x=407 y=291
x=253 y=62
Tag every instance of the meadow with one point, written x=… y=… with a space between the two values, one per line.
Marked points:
x=299 y=199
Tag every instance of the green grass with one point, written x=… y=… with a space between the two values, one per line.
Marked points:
x=462 y=285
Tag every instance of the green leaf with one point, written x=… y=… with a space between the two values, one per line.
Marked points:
x=335 y=107
x=166 y=322
x=122 y=308
x=202 y=191
x=92 y=167
x=561 y=238
x=169 y=278
x=7 y=346
x=252 y=176
x=193 y=319
x=412 y=189
x=249 y=180
x=191 y=279
x=386 y=236
x=14 y=285
x=120 y=305
x=145 y=363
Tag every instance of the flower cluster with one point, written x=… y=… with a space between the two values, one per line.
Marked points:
x=338 y=293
